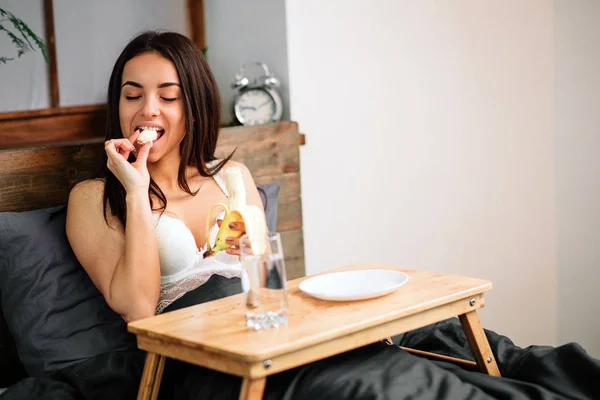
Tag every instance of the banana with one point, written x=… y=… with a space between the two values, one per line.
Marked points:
x=236 y=211
x=148 y=134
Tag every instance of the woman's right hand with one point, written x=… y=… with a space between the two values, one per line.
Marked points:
x=133 y=176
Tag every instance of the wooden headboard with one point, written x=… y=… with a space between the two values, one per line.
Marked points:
x=43 y=177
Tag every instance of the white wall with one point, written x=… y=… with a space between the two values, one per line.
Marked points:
x=89 y=37
x=430 y=129
x=240 y=31
x=91 y=34
x=449 y=115
x=24 y=80
x=577 y=61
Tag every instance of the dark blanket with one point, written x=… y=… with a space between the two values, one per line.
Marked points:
x=377 y=371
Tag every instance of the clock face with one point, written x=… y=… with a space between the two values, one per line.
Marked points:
x=255 y=106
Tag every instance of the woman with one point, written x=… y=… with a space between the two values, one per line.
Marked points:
x=139 y=235
x=111 y=223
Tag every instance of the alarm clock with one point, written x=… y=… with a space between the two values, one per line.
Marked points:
x=257 y=102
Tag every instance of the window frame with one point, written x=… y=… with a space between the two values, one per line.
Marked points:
x=56 y=124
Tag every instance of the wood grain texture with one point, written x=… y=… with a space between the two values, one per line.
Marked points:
x=150 y=376
x=51 y=47
x=158 y=377
x=50 y=112
x=219 y=327
x=195 y=16
x=295 y=268
x=270 y=149
x=194 y=355
x=253 y=389
x=51 y=127
x=233 y=363
x=292 y=242
x=58 y=126
x=316 y=330
x=43 y=177
x=471 y=365
x=37 y=178
x=479 y=344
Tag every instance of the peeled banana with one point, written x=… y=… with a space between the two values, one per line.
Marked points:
x=236 y=211
x=148 y=134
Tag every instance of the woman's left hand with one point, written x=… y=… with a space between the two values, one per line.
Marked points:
x=234 y=241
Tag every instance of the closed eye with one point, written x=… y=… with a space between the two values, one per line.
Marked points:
x=132 y=97
x=169 y=98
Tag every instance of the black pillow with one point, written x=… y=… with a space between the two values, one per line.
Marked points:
x=55 y=314
x=269 y=199
x=11 y=368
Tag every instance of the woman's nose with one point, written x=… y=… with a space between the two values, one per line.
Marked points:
x=150 y=107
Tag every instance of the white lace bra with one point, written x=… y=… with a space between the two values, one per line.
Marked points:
x=182 y=266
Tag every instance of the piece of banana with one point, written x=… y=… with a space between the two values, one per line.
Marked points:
x=147 y=135
x=236 y=211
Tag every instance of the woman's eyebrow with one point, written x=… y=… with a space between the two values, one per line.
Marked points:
x=162 y=85
x=132 y=83
x=166 y=84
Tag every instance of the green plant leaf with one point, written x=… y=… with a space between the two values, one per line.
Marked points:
x=4 y=60
x=21 y=45
x=28 y=32
x=18 y=24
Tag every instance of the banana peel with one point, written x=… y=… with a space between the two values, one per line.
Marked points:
x=252 y=217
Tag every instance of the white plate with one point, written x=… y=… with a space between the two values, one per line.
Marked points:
x=353 y=285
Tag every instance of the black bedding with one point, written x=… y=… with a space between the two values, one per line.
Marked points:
x=377 y=371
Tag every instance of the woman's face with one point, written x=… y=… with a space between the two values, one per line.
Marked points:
x=151 y=97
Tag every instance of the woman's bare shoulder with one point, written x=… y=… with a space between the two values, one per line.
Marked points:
x=86 y=206
x=87 y=190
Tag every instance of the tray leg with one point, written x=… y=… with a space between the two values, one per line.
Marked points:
x=158 y=377
x=151 y=377
x=479 y=344
x=252 y=389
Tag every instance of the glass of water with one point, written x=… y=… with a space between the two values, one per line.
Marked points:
x=264 y=281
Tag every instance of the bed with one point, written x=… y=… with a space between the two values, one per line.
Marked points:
x=33 y=180
x=52 y=316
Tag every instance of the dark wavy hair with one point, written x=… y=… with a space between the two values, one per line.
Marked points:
x=202 y=110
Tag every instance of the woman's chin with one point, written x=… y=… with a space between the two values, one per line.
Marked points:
x=155 y=155
x=158 y=153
